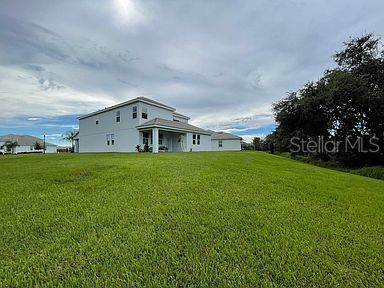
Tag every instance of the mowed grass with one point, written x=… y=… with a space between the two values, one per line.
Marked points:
x=224 y=219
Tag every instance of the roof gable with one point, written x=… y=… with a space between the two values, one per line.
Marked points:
x=129 y=102
x=24 y=140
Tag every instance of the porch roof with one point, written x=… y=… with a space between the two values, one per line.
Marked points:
x=172 y=125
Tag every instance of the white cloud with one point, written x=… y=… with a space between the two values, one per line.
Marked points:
x=221 y=63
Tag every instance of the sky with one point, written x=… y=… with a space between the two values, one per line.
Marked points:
x=223 y=63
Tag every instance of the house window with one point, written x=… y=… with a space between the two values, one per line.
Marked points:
x=97 y=122
x=110 y=139
x=196 y=139
x=145 y=138
x=118 y=116
x=160 y=139
x=144 y=113
x=134 y=112
x=220 y=143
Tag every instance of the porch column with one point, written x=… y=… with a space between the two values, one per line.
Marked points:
x=155 y=140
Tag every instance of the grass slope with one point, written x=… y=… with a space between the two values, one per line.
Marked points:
x=189 y=219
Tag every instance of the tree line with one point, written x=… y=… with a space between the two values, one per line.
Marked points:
x=340 y=116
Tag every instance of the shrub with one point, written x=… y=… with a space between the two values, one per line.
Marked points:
x=376 y=172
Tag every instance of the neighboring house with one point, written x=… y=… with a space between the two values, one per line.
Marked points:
x=222 y=141
x=26 y=144
x=140 y=121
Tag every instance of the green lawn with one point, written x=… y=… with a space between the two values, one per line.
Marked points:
x=220 y=219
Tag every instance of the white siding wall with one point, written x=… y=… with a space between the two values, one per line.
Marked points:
x=94 y=137
x=27 y=149
x=205 y=142
x=154 y=112
x=51 y=149
x=24 y=149
x=228 y=145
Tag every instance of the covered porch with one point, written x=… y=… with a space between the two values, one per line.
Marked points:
x=163 y=140
x=167 y=135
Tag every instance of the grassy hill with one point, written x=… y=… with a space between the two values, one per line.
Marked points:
x=188 y=219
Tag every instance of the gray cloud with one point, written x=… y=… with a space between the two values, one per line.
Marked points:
x=221 y=63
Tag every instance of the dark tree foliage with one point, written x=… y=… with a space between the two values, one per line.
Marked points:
x=257 y=143
x=347 y=101
x=38 y=146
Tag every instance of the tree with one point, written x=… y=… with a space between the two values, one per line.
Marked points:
x=11 y=145
x=38 y=146
x=347 y=102
x=70 y=136
x=257 y=143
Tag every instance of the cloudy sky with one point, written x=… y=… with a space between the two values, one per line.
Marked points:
x=223 y=63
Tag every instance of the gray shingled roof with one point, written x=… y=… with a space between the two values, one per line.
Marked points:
x=142 y=99
x=159 y=122
x=24 y=140
x=224 y=136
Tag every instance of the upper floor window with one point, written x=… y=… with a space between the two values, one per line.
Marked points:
x=220 y=143
x=144 y=113
x=118 y=116
x=134 y=112
x=97 y=122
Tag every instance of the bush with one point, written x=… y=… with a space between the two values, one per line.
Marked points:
x=376 y=172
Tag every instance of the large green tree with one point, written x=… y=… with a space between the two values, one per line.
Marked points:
x=347 y=102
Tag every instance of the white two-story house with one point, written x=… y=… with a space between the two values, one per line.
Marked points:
x=140 y=121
